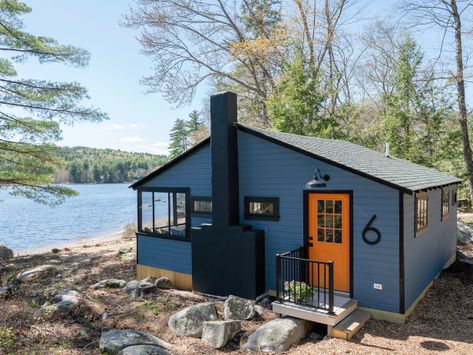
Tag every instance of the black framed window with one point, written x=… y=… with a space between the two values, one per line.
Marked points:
x=445 y=202
x=421 y=211
x=262 y=208
x=454 y=197
x=201 y=205
x=164 y=213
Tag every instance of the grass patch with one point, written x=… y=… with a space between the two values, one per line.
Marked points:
x=8 y=339
x=149 y=306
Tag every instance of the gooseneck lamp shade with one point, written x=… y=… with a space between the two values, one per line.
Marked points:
x=317 y=182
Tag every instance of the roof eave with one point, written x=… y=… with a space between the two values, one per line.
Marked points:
x=169 y=164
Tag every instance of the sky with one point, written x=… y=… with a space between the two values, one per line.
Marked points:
x=138 y=122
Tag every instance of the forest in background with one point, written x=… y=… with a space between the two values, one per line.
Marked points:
x=326 y=68
x=91 y=165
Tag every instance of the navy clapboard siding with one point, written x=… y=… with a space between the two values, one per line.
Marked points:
x=427 y=253
x=168 y=254
x=193 y=172
x=267 y=169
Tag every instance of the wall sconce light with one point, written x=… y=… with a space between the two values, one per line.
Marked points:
x=318 y=181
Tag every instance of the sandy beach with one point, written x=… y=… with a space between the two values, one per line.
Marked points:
x=73 y=243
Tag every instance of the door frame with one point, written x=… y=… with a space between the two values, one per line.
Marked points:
x=306 y=226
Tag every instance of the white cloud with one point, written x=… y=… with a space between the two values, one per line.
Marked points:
x=132 y=139
x=114 y=127
x=159 y=148
x=136 y=125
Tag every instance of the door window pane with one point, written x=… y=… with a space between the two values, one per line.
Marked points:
x=338 y=236
x=337 y=221
x=329 y=235
x=329 y=221
x=338 y=206
x=321 y=220
x=329 y=206
x=320 y=234
x=320 y=206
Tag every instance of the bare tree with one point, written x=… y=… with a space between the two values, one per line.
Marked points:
x=227 y=43
x=448 y=15
x=192 y=41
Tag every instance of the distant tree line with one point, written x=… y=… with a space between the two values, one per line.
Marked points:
x=90 y=165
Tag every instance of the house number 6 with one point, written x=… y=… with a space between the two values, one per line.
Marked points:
x=367 y=229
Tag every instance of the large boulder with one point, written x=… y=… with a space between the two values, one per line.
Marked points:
x=150 y=279
x=164 y=283
x=278 y=335
x=143 y=350
x=239 y=308
x=113 y=341
x=137 y=288
x=217 y=333
x=109 y=283
x=5 y=253
x=131 y=287
x=37 y=272
x=190 y=321
x=464 y=233
x=65 y=301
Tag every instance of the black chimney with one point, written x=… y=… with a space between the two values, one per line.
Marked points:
x=227 y=258
x=223 y=113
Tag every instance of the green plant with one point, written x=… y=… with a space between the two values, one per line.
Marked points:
x=297 y=290
x=149 y=306
x=8 y=338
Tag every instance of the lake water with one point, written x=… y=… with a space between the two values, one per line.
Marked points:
x=99 y=210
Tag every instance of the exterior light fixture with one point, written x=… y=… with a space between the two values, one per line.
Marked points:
x=318 y=181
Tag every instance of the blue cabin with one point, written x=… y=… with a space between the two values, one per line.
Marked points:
x=323 y=225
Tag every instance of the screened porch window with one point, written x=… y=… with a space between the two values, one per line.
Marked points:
x=163 y=213
x=422 y=202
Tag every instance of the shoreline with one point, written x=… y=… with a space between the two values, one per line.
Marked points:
x=72 y=243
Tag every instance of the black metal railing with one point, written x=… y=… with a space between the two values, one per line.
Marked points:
x=303 y=281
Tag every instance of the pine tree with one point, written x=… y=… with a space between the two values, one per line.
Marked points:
x=295 y=105
x=31 y=110
x=401 y=104
x=194 y=121
x=178 y=138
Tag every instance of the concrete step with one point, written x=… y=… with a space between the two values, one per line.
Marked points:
x=349 y=326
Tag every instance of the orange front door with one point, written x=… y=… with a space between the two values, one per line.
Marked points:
x=329 y=234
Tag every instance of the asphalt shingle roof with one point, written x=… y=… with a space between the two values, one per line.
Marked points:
x=394 y=171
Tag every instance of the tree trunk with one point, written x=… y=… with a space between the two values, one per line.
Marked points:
x=467 y=156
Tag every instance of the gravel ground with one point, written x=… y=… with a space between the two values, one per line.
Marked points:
x=442 y=322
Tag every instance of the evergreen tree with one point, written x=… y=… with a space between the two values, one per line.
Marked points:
x=295 y=105
x=401 y=105
x=31 y=110
x=178 y=138
x=194 y=121
x=261 y=17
